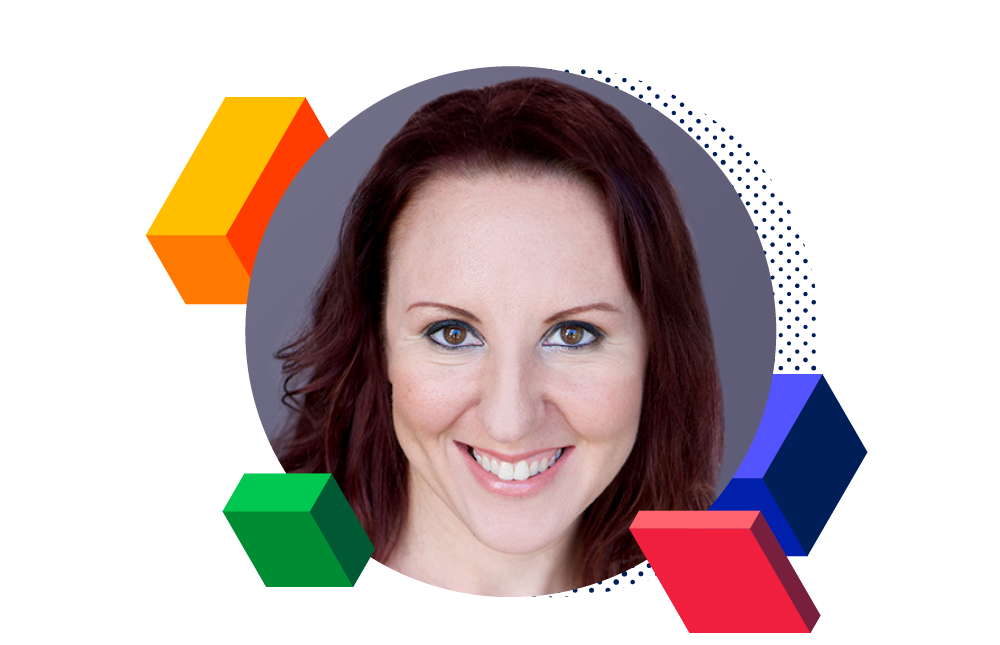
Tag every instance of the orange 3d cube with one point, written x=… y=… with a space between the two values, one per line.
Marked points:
x=207 y=233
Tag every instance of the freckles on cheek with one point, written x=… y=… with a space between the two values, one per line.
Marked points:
x=428 y=398
x=607 y=410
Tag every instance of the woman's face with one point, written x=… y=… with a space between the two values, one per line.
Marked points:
x=515 y=352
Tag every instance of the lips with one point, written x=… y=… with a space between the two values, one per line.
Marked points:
x=520 y=470
x=521 y=475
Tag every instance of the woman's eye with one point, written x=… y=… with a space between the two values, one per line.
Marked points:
x=453 y=335
x=572 y=335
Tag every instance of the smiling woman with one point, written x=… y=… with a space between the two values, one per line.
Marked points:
x=510 y=355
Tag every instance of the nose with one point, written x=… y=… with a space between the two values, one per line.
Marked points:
x=511 y=404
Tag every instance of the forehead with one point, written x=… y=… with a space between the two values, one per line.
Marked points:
x=505 y=236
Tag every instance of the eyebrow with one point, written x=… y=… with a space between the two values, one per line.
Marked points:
x=438 y=305
x=597 y=306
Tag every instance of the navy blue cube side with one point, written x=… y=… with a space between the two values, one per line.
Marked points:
x=815 y=465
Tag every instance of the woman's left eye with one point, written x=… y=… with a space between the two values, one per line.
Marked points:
x=572 y=334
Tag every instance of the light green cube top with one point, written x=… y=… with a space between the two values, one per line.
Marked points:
x=275 y=492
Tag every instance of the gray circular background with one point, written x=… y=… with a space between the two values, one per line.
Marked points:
x=302 y=238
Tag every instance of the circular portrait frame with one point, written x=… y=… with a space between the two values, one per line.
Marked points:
x=302 y=236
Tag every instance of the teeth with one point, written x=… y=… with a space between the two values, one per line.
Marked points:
x=520 y=471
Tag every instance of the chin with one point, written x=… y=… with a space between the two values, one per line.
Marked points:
x=522 y=531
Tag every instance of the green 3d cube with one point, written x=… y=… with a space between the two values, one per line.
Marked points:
x=298 y=530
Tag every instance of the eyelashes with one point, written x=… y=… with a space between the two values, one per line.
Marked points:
x=455 y=335
x=572 y=334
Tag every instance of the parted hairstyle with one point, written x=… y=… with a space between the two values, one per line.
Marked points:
x=335 y=377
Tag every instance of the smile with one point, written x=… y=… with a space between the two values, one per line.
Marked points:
x=518 y=471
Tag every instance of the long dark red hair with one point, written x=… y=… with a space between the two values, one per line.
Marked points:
x=335 y=372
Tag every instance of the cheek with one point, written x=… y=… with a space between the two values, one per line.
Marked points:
x=427 y=399
x=604 y=406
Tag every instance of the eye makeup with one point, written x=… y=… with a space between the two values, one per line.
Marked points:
x=571 y=335
x=453 y=335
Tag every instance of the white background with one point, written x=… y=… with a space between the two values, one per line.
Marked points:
x=129 y=418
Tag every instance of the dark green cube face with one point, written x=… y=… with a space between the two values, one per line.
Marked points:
x=298 y=530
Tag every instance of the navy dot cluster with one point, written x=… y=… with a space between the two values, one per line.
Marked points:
x=622 y=581
x=793 y=286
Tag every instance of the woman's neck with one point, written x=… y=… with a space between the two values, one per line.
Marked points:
x=436 y=547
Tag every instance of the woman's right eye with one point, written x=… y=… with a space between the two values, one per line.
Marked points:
x=452 y=334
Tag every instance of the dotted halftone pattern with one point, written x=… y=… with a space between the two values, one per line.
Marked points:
x=794 y=285
x=625 y=580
